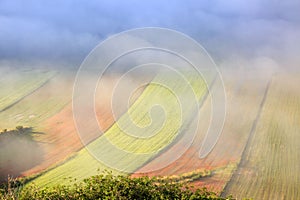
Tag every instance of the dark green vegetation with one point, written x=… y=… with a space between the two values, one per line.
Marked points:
x=111 y=187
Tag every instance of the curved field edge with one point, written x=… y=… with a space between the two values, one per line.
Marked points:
x=83 y=164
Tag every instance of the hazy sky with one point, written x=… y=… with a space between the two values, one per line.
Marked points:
x=67 y=30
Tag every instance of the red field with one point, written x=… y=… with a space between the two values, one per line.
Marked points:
x=61 y=139
x=243 y=99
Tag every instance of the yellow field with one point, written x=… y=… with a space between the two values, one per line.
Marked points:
x=135 y=150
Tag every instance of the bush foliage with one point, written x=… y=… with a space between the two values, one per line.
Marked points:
x=111 y=187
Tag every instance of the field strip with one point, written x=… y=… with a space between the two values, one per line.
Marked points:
x=174 y=145
x=84 y=164
x=29 y=93
x=19 y=86
x=39 y=105
x=61 y=125
x=243 y=99
x=271 y=166
x=246 y=150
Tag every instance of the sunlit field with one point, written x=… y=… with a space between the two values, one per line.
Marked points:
x=138 y=113
x=261 y=148
x=270 y=165
x=150 y=99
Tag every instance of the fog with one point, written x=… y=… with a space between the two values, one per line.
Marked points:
x=65 y=31
x=18 y=153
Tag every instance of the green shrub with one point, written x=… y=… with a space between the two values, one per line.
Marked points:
x=113 y=187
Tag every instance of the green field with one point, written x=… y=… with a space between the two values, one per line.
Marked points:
x=244 y=95
x=15 y=85
x=48 y=98
x=267 y=116
x=270 y=166
x=135 y=150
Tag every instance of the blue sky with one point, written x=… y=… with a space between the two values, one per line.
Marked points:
x=65 y=31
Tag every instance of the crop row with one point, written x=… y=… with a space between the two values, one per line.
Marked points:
x=122 y=146
x=270 y=169
x=16 y=85
x=243 y=99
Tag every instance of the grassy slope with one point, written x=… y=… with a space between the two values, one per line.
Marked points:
x=21 y=100
x=17 y=84
x=271 y=167
x=38 y=106
x=83 y=164
x=32 y=110
x=49 y=110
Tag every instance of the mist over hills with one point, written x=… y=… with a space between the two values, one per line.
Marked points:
x=64 y=32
